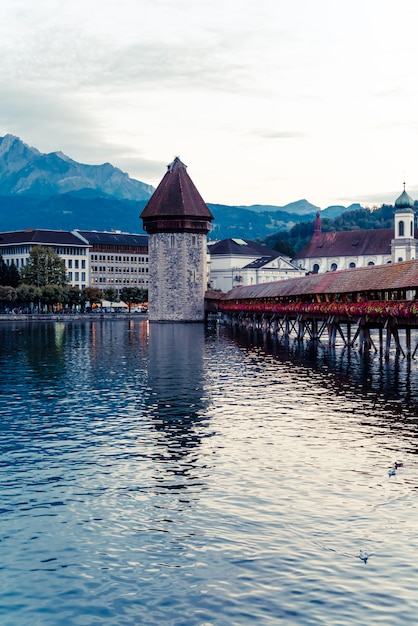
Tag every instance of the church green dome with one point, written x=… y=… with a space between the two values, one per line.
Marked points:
x=404 y=201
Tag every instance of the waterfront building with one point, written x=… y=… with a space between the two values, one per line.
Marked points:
x=177 y=221
x=15 y=248
x=235 y=262
x=332 y=251
x=117 y=259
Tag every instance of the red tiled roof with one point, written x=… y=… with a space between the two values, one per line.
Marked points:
x=348 y=243
x=375 y=278
x=176 y=196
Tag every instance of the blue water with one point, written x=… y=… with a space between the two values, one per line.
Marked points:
x=177 y=476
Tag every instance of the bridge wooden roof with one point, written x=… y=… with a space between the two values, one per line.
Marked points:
x=362 y=279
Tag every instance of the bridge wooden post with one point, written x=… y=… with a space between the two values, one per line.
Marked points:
x=408 y=342
x=301 y=327
x=388 y=339
x=348 y=335
x=332 y=331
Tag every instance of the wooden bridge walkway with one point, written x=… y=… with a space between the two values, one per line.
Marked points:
x=347 y=304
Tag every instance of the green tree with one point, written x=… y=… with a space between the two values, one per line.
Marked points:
x=133 y=295
x=111 y=294
x=52 y=295
x=7 y=295
x=93 y=295
x=9 y=274
x=28 y=294
x=284 y=247
x=45 y=267
x=73 y=296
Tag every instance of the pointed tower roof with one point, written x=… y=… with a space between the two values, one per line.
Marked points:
x=176 y=205
x=404 y=201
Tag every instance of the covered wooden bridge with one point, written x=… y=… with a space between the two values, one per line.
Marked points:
x=348 y=304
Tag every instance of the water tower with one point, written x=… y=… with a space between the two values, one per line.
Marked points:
x=177 y=221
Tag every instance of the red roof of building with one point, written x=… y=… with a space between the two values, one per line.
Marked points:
x=176 y=197
x=348 y=243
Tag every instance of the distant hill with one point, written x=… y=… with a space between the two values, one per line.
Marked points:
x=52 y=191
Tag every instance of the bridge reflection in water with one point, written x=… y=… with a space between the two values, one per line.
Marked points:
x=365 y=307
x=390 y=386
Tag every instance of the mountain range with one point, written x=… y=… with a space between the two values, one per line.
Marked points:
x=53 y=191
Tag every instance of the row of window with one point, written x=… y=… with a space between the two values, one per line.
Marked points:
x=119 y=270
x=77 y=276
x=76 y=264
x=70 y=251
x=119 y=259
x=119 y=281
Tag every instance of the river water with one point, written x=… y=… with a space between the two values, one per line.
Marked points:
x=173 y=475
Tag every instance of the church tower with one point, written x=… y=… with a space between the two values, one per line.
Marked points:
x=404 y=243
x=177 y=221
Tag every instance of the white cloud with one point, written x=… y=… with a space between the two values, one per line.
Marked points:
x=266 y=101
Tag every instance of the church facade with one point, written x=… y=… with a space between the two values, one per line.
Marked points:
x=327 y=252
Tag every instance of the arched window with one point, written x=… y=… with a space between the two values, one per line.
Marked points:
x=333 y=267
x=370 y=263
x=411 y=229
x=352 y=265
x=401 y=229
x=400 y=259
x=315 y=268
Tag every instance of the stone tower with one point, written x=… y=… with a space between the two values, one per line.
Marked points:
x=177 y=221
x=404 y=243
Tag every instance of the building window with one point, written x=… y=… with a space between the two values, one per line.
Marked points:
x=370 y=263
x=315 y=268
x=333 y=267
x=401 y=229
x=352 y=265
x=400 y=259
x=70 y=263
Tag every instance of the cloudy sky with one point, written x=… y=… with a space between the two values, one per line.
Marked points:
x=266 y=101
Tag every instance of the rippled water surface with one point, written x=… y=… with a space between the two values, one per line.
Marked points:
x=177 y=476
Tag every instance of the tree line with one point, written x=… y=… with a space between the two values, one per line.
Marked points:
x=42 y=285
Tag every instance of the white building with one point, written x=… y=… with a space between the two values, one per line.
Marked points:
x=117 y=259
x=15 y=248
x=235 y=262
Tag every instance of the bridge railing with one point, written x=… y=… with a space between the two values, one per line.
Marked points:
x=376 y=308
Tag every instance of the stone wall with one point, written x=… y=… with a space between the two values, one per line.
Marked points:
x=177 y=277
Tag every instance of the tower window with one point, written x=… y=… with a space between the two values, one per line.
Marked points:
x=401 y=229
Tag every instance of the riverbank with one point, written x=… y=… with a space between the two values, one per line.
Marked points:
x=68 y=317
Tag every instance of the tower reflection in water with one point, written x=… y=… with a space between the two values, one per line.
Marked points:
x=177 y=401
